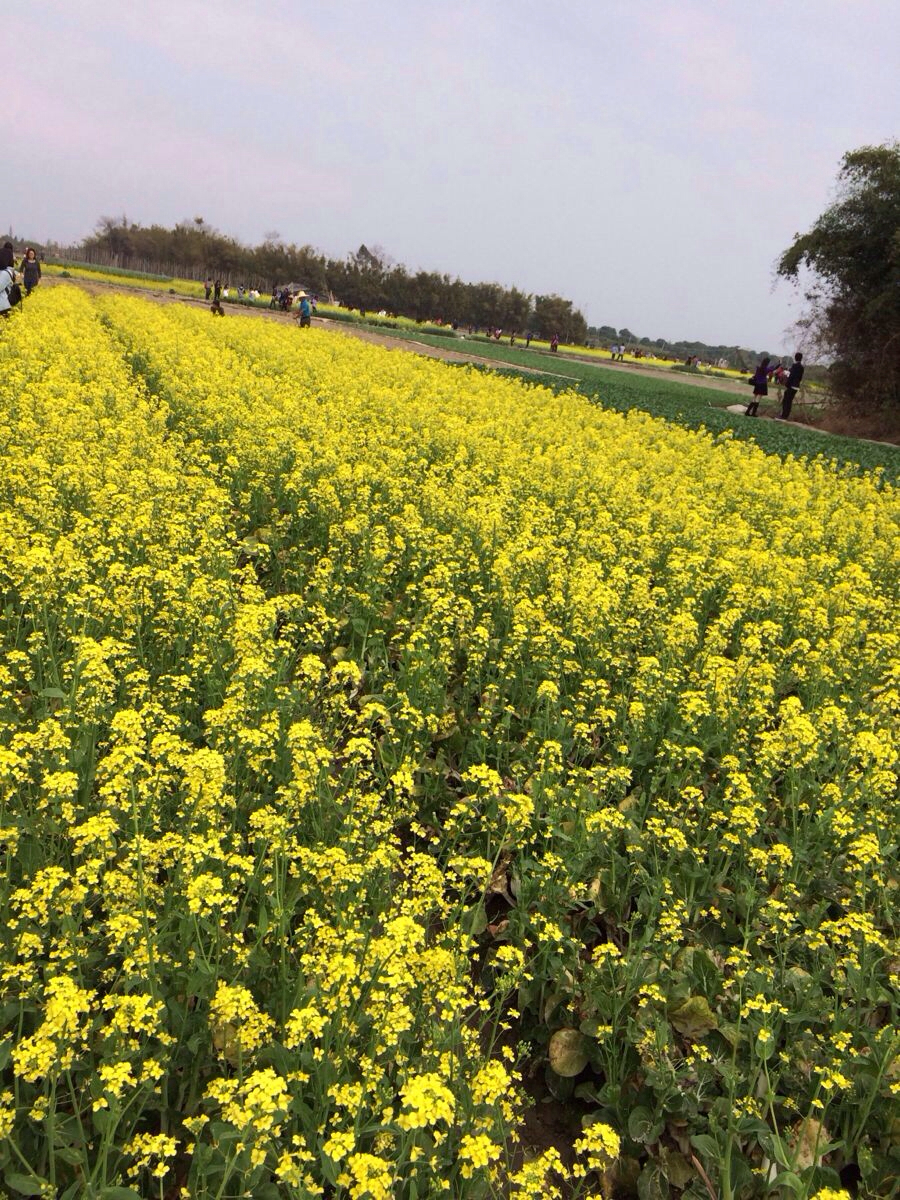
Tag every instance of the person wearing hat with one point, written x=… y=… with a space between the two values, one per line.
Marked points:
x=305 y=311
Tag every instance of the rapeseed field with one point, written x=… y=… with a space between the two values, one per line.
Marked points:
x=392 y=755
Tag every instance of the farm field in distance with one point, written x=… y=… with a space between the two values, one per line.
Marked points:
x=695 y=401
x=420 y=782
x=676 y=398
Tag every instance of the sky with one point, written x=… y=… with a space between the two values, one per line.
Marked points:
x=649 y=159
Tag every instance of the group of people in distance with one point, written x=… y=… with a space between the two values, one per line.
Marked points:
x=282 y=298
x=218 y=293
x=215 y=290
x=788 y=380
x=10 y=282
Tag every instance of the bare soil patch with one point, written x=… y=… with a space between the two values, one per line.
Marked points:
x=877 y=426
x=817 y=426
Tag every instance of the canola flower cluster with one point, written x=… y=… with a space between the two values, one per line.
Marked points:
x=374 y=734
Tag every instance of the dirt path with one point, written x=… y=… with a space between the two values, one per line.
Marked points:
x=734 y=386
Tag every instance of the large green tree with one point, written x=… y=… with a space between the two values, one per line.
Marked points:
x=853 y=255
x=555 y=315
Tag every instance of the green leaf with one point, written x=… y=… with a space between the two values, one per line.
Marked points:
x=730 y=1032
x=792 y=1183
x=52 y=693
x=694 y=1018
x=706 y=1146
x=652 y=1184
x=119 y=1193
x=798 y=979
x=866 y=1160
x=329 y=1168
x=70 y=1155
x=27 y=1185
x=677 y=1169
x=751 y=1126
x=262 y=921
x=478 y=922
x=641 y=1125
x=567 y=1053
x=103 y=1120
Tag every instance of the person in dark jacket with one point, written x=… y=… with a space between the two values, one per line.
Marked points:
x=760 y=383
x=795 y=376
x=7 y=257
x=31 y=271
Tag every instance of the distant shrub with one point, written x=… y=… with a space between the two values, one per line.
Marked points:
x=446 y=331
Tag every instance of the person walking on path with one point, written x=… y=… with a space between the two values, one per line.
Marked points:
x=207 y=287
x=795 y=376
x=217 y=291
x=31 y=271
x=305 y=311
x=760 y=387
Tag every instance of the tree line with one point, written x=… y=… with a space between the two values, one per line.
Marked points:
x=740 y=357
x=366 y=280
x=848 y=265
